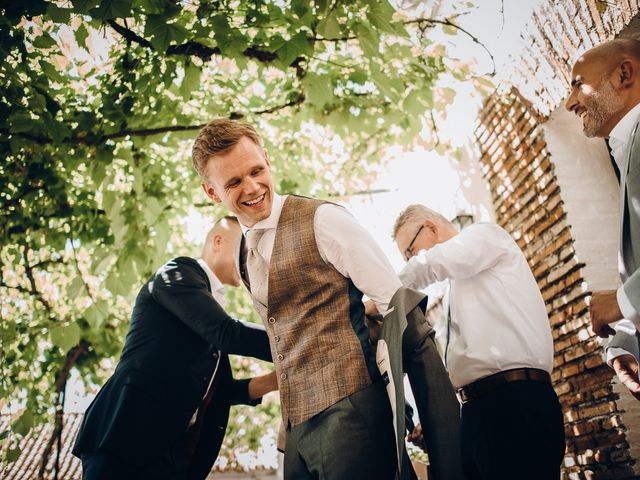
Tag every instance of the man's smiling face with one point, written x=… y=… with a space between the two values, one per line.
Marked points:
x=593 y=97
x=241 y=179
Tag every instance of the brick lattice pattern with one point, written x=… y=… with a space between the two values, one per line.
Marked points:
x=528 y=204
x=556 y=33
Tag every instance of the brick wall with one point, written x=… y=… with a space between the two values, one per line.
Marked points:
x=557 y=32
x=528 y=204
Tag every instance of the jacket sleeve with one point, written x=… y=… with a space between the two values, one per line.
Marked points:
x=181 y=287
x=239 y=394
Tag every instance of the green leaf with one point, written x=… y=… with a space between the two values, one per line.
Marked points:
x=81 y=36
x=161 y=33
x=51 y=71
x=329 y=27
x=190 y=81
x=380 y=15
x=150 y=6
x=368 y=39
x=449 y=30
x=96 y=314
x=84 y=6
x=298 y=45
x=21 y=123
x=13 y=454
x=318 y=89
x=65 y=337
x=23 y=423
x=111 y=9
x=44 y=41
x=75 y=287
x=152 y=210
x=59 y=15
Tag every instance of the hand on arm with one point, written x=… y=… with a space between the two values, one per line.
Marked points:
x=263 y=384
x=604 y=310
x=626 y=368
x=417 y=438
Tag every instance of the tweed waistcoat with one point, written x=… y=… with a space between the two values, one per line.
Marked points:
x=318 y=356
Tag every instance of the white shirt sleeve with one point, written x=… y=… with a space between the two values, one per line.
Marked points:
x=470 y=252
x=626 y=307
x=624 y=342
x=350 y=249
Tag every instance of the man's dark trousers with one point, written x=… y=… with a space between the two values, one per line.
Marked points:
x=352 y=439
x=514 y=431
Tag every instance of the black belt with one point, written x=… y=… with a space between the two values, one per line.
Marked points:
x=483 y=386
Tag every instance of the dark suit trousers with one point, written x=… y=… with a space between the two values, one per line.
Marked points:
x=515 y=431
x=352 y=439
x=104 y=465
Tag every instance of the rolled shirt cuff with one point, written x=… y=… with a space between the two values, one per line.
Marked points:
x=614 y=352
x=627 y=309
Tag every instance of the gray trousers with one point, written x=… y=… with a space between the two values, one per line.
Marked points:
x=352 y=439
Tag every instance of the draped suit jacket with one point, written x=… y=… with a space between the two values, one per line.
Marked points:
x=629 y=254
x=170 y=354
x=406 y=345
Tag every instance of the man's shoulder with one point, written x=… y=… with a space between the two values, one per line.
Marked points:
x=184 y=264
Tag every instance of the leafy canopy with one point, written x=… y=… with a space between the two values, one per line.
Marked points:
x=99 y=103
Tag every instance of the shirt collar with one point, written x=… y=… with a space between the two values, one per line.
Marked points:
x=621 y=133
x=217 y=287
x=271 y=222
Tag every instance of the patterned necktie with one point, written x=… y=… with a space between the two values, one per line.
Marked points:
x=257 y=269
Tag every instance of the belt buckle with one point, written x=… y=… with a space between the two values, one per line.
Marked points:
x=462 y=396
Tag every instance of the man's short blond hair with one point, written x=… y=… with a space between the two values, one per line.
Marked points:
x=218 y=137
x=416 y=214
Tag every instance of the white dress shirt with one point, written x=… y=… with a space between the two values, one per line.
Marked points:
x=217 y=288
x=342 y=243
x=498 y=317
x=620 y=143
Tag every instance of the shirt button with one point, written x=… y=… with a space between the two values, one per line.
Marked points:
x=283 y=376
x=215 y=355
x=280 y=357
x=277 y=338
x=272 y=320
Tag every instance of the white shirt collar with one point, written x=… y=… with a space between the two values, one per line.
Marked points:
x=271 y=222
x=620 y=136
x=217 y=288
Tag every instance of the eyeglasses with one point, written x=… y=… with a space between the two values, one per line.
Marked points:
x=408 y=252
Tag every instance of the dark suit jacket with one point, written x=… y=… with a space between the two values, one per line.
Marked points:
x=406 y=345
x=169 y=356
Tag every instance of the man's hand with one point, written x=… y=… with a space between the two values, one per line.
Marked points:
x=260 y=386
x=370 y=308
x=626 y=367
x=604 y=309
x=417 y=438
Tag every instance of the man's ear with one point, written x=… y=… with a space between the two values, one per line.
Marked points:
x=627 y=74
x=210 y=192
x=266 y=158
x=432 y=226
x=217 y=242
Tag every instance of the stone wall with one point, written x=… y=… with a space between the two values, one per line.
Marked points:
x=529 y=205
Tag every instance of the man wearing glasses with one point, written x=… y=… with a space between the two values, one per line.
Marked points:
x=499 y=352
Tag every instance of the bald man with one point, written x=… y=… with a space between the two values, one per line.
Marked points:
x=163 y=413
x=605 y=94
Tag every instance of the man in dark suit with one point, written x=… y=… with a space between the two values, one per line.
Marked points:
x=163 y=413
x=605 y=94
